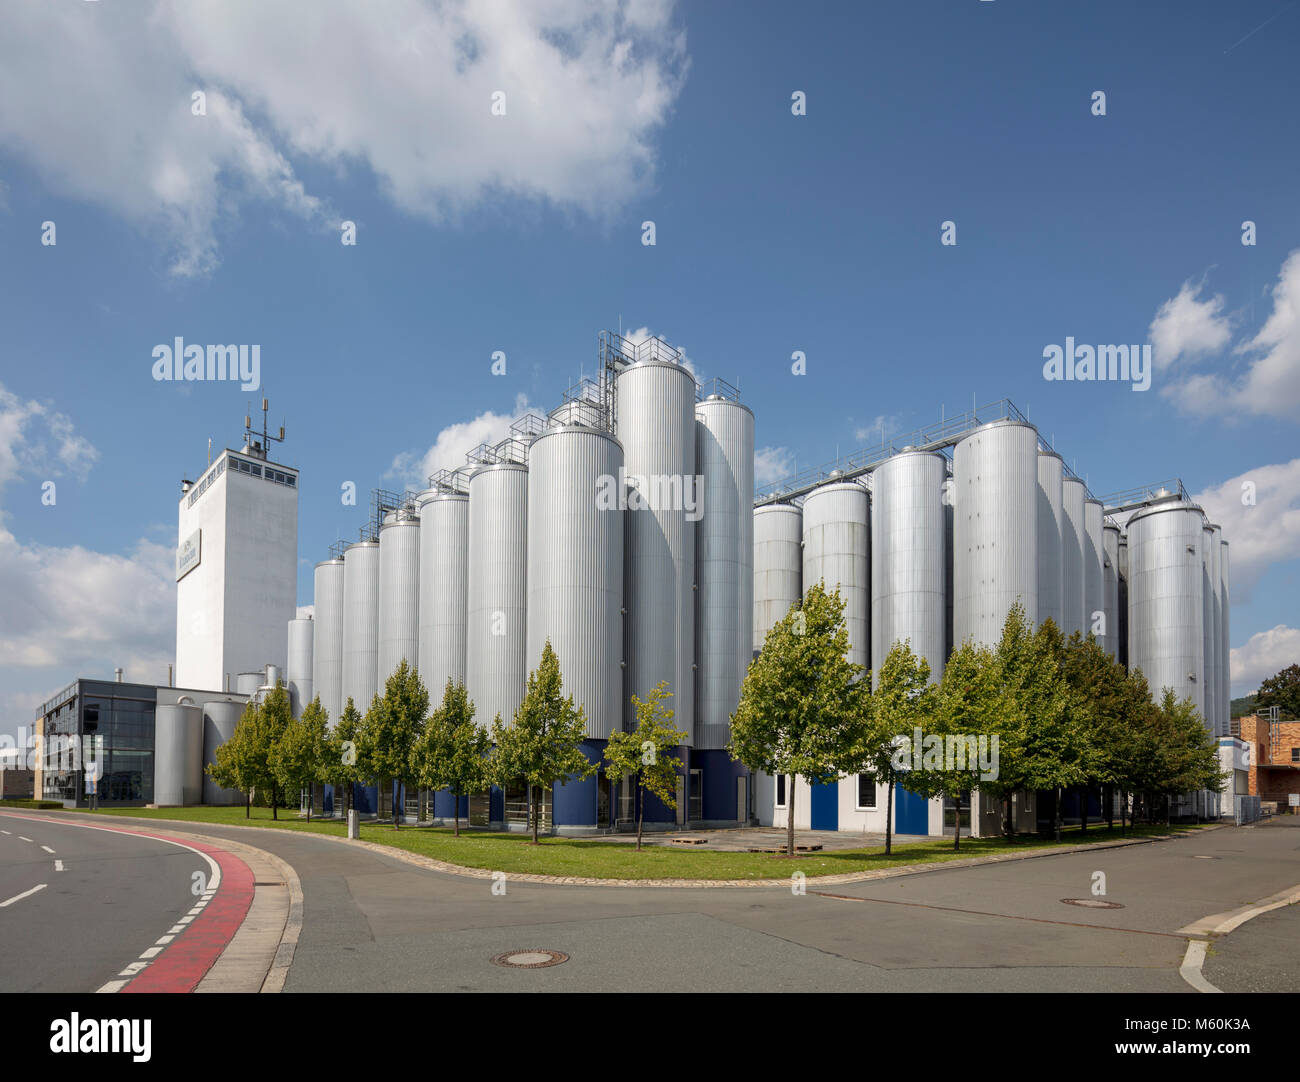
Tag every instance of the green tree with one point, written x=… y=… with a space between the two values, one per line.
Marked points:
x=542 y=746
x=903 y=700
x=342 y=756
x=391 y=728
x=1283 y=691
x=800 y=710
x=235 y=766
x=1186 y=754
x=451 y=752
x=300 y=759
x=273 y=719
x=644 y=752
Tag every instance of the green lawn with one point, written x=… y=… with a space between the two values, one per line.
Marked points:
x=616 y=860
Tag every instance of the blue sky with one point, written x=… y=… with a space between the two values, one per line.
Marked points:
x=522 y=233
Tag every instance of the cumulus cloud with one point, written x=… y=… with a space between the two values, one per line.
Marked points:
x=1266 y=379
x=38 y=441
x=452 y=444
x=887 y=423
x=1262 y=655
x=1259 y=511
x=406 y=99
x=642 y=334
x=772 y=464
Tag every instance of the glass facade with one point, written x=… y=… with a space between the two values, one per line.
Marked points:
x=107 y=729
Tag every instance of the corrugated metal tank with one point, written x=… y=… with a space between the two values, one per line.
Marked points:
x=1225 y=643
x=1110 y=583
x=575 y=568
x=444 y=589
x=1212 y=601
x=995 y=532
x=1051 y=523
x=1073 y=545
x=399 y=593
x=656 y=426
x=361 y=624
x=327 y=652
x=1094 y=579
x=1122 y=564
x=298 y=674
x=178 y=754
x=724 y=553
x=908 y=575
x=495 y=669
x=837 y=552
x=778 y=565
x=1166 y=638
x=220 y=716
x=949 y=516
x=247 y=683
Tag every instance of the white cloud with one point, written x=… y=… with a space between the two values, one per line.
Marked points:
x=405 y=97
x=452 y=444
x=38 y=441
x=1261 y=533
x=304 y=611
x=642 y=334
x=1188 y=327
x=871 y=432
x=772 y=464
x=1262 y=655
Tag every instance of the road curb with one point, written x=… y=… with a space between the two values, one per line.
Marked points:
x=1220 y=924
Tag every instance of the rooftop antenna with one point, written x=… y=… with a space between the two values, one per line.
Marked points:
x=265 y=445
x=209 y=450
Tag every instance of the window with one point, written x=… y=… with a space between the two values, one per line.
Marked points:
x=1295 y=755
x=780 y=790
x=866 y=790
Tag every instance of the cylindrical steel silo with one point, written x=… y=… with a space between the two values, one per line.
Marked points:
x=949 y=517
x=178 y=754
x=656 y=426
x=327 y=651
x=399 y=593
x=778 y=565
x=724 y=552
x=575 y=568
x=1094 y=579
x=1225 y=643
x=995 y=534
x=497 y=568
x=837 y=553
x=1121 y=564
x=298 y=672
x=1051 y=524
x=247 y=683
x=1074 y=536
x=1110 y=582
x=361 y=624
x=220 y=717
x=444 y=585
x=908 y=577
x=1166 y=639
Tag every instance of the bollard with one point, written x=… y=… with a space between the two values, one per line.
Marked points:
x=354 y=824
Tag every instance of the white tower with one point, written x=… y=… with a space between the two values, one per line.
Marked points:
x=236 y=564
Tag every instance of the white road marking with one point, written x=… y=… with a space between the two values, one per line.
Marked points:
x=151 y=952
x=164 y=940
x=112 y=986
x=47 y=848
x=4 y=832
x=58 y=865
x=22 y=839
x=1190 y=970
x=24 y=894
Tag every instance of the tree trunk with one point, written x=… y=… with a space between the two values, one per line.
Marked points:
x=1083 y=810
x=537 y=812
x=1109 y=790
x=956 y=823
x=640 y=811
x=456 y=797
x=395 y=790
x=311 y=795
x=1010 y=829
x=248 y=803
x=789 y=821
x=1123 y=809
x=889 y=813
x=275 y=801
x=1056 y=814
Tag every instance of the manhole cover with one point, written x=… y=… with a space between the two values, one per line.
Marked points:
x=1091 y=903
x=530 y=959
x=1202 y=856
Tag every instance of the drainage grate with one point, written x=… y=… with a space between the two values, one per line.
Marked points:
x=1092 y=903
x=530 y=959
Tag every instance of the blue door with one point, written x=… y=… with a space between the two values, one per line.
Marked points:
x=911 y=812
x=826 y=807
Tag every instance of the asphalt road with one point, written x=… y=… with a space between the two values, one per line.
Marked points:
x=375 y=924
x=114 y=897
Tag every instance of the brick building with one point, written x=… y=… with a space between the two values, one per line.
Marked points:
x=1274 y=759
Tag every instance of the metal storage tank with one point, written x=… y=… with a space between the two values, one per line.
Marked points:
x=1073 y=546
x=908 y=577
x=247 y=683
x=1209 y=630
x=575 y=568
x=1110 y=583
x=360 y=624
x=1215 y=664
x=949 y=514
x=1051 y=524
x=1225 y=647
x=837 y=552
x=1122 y=626
x=302 y=639
x=778 y=565
x=178 y=753
x=495 y=669
x=1094 y=580
x=724 y=553
x=995 y=532
x=220 y=716
x=399 y=593
x=656 y=426
x=1166 y=638
x=444 y=585
x=327 y=650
